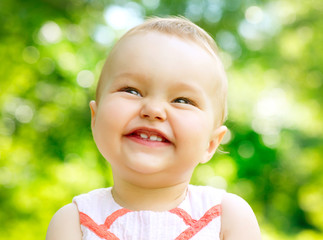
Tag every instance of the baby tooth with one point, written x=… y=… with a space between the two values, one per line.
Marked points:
x=153 y=138
x=142 y=135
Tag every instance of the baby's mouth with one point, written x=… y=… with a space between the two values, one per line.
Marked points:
x=148 y=135
x=151 y=137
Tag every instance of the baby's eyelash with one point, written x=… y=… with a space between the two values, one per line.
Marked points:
x=130 y=90
x=184 y=100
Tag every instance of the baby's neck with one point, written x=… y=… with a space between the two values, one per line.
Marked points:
x=137 y=198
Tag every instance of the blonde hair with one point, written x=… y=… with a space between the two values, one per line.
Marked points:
x=184 y=29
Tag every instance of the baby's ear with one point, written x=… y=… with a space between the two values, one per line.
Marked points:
x=214 y=142
x=93 y=107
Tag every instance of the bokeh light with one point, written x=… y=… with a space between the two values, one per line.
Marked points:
x=123 y=18
x=50 y=32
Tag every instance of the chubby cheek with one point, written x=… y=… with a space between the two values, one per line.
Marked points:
x=111 y=119
x=193 y=132
x=102 y=134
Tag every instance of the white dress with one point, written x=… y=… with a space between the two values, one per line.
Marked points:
x=197 y=217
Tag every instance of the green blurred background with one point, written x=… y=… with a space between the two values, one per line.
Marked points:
x=52 y=52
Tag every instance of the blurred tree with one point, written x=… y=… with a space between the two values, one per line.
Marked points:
x=52 y=52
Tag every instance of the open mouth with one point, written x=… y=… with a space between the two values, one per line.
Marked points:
x=148 y=135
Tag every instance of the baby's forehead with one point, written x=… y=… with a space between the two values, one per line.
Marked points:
x=136 y=49
x=143 y=35
x=153 y=45
x=148 y=44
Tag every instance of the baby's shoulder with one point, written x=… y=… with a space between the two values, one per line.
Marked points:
x=238 y=219
x=65 y=224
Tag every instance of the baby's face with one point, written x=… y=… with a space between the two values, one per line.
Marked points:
x=156 y=115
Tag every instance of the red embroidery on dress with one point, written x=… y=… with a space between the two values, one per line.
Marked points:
x=99 y=230
x=102 y=230
x=196 y=226
x=188 y=220
x=110 y=219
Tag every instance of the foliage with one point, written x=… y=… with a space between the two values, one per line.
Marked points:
x=52 y=52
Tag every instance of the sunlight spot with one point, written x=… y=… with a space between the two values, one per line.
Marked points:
x=225 y=167
x=291 y=46
x=271 y=140
x=283 y=11
x=309 y=198
x=248 y=31
x=254 y=37
x=123 y=18
x=50 y=32
x=213 y=11
x=271 y=112
x=274 y=104
x=24 y=114
x=203 y=173
x=246 y=149
x=11 y=104
x=194 y=10
x=104 y=35
x=67 y=61
x=254 y=15
x=85 y=78
x=228 y=42
x=259 y=25
x=217 y=182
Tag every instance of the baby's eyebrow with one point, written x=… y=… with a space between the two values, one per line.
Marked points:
x=187 y=86
x=132 y=75
x=192 y=89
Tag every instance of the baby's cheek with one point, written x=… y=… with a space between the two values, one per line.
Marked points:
x=194 y=129
x=197 y=123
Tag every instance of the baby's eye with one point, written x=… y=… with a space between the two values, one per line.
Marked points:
x=184 y=100
x=131 y=90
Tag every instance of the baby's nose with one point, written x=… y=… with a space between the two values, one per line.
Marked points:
x=153 y=110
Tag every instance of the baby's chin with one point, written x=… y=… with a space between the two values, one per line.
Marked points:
x=145 y=175
x=147 y=164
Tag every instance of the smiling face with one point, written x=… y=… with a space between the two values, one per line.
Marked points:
x=155 y=118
